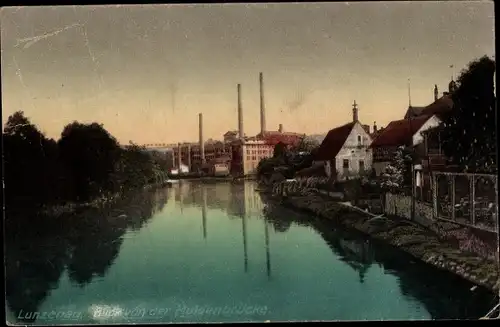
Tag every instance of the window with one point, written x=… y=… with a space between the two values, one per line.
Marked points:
x=361 y=166
x=345 y=164
x=359 y=139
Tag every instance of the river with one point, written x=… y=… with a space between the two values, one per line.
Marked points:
x=218 y=252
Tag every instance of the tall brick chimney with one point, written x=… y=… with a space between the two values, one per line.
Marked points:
x=202 y=142
x=262 y=105
x=240 y=114
x=179 y=156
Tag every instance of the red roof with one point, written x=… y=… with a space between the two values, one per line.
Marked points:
x=333 y=142
x=274 y=133
x=275 y=137
x=440 y=106
x=399 y=132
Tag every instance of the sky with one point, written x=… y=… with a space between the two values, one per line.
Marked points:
x=146 y=71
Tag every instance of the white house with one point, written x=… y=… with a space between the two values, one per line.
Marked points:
x=346 y=150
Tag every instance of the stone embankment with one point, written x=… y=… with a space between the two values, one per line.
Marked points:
x=423 y=243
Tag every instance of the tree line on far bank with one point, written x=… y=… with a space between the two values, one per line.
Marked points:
x=86 y=163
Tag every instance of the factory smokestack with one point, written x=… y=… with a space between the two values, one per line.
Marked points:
x=179 y=158
x=262 y=105
x=202 y=143
x=240 y=114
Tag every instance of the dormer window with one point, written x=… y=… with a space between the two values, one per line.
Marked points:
x=359 y=140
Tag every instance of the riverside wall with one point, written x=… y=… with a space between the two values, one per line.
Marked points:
x=423 y=243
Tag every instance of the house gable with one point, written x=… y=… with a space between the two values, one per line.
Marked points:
x=357 y=138
x=432 y=122
x=356 y=151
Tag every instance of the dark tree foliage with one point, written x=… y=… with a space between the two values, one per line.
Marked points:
x=86 y=163
x=90 y=152
x=468 y=134
x=306 y=145
x=279 y=150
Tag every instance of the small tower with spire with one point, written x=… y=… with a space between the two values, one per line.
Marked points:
x=436 y=93
x=355 y=112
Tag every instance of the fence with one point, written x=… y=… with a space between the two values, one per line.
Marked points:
x=468 y=199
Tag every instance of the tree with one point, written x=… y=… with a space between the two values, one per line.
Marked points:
x=28 y=159
x=90 y=152
x=306 y=144
x=279 y=150
x=468 y=134
x=398 y=173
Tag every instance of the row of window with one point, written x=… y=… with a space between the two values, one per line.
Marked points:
x=258 y=151
x=345 y=164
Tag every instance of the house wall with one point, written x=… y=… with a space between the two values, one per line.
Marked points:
x=432 y=122
x=252 y=154
x=354 y=153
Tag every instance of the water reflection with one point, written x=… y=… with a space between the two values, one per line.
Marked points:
x=204 y=212
x=444 y=295
x=268 y=252
x=83 y=245
x=238 y=199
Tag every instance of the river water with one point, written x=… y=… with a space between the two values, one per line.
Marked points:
x=217 y=252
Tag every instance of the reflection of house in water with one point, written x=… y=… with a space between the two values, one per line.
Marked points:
x=354 y=252
x=357 y=255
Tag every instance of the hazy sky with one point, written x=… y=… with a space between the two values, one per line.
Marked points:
x=146 y=72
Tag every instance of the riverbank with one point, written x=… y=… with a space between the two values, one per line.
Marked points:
x=423 y=244
x=197 y=177
x=57 y=211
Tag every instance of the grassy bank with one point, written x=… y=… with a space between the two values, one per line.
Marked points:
x=421 y=243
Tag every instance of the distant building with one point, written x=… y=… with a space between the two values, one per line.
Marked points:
x=230 y=136
x=220 y=166
x=345 y=150
x=183 y=169
x=191 y=153
x=249 y=152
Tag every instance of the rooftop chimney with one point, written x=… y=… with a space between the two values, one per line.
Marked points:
x=280 y=128
x=355 y=112
x=240 y=114
x=262 y=106
x=374 y=127
x=436 y=93
x=202 y=143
